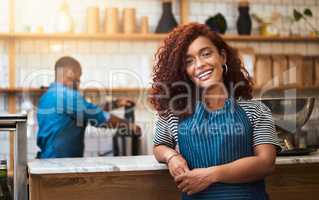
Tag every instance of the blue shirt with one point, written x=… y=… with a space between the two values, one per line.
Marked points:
x=62 y=115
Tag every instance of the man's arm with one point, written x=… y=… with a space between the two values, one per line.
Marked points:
x=82 y=111
x=116 y=122
x=117 y=103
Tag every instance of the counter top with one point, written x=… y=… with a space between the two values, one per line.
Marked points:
x=94 y=164
x=286 y=160
x=130 y=163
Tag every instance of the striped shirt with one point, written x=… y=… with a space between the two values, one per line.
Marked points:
x=259 y=115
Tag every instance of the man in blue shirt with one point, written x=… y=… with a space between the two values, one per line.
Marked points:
x=63 y=114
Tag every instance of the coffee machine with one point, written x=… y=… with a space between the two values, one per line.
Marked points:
x=290 y=115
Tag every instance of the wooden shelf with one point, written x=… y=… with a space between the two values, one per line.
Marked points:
x=86 y=90
x=148 y=37
x=142 y=90
x=286 y=91
x=288 y=87
x=252 y=38
x=82 y=36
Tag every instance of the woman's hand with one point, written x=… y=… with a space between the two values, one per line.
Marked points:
x=177 y=165
x=196 y=180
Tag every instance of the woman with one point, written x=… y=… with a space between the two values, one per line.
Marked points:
x=217 y=143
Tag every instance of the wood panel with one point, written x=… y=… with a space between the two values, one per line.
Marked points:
x=289 y=182
x=12 y=84
x=309 y=71
x=280 y=67
x=184 y=11
x=11 y=109
x=155 y=185
x=263 y=71
x=294 y=182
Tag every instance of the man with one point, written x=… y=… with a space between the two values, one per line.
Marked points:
x=63 y=114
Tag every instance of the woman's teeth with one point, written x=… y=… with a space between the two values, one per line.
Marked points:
x=205 y=75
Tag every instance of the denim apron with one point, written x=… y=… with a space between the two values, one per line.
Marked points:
x=214 y=138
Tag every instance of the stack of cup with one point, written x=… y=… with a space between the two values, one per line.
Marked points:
x=93 y=20
x=129 y=20
x=111 y=22
x=144 y=25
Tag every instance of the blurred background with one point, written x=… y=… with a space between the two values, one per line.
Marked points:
x=115 y=41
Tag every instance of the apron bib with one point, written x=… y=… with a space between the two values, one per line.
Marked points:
x=214 y=138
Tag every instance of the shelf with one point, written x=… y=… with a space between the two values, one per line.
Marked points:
x=256 y=38
x=286 y=87
x=83 y=36
x=86 y=90
x=148 y=37
x=286 y=91
x=143 y=90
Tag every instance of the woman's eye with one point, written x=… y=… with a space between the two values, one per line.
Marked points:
x=206 y=53
x=189 y=61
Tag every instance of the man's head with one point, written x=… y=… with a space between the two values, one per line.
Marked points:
x=68 y=72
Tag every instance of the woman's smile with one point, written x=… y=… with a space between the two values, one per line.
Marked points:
x=204 y=75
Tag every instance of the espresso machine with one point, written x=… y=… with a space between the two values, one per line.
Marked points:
x=290 y=115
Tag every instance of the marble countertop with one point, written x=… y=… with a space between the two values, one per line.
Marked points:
x=130 y=163
x=286 y=160
x=94 y=164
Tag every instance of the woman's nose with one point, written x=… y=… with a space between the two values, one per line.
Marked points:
x=199 y=63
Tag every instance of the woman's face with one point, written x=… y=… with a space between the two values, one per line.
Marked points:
x=204 y=63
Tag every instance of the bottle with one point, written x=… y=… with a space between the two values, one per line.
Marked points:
x=64 y=21
x=4 y=189
x=244 y=20
x=167 y=21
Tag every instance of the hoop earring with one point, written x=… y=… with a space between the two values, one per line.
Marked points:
x=225 y=68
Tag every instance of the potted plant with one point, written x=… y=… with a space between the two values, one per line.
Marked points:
x=217 y=23
x=307 y=13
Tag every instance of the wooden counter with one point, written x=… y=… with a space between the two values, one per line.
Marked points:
x=142 y=177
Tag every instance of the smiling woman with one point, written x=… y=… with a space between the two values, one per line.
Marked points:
x=204 y=62
x=217 y=143
x=172 y=81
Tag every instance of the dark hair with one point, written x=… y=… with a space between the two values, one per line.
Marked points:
x=66 y=62
x=170 y=65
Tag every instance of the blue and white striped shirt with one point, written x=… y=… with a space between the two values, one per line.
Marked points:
x=166 y=131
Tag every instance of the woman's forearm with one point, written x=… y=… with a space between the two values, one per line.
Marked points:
x=247 y=169
x=243 y=170
x=162 y=153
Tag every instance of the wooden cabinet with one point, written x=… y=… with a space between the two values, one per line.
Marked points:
x=289 y=182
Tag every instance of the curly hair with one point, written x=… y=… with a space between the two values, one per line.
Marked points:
x=170 y=68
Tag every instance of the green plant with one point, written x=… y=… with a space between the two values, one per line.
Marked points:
x=217 y=23
x=307 y=13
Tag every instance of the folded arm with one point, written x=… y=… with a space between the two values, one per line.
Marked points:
x=248 y=169
x=243 y=170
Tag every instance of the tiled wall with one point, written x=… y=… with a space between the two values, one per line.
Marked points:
x=35 y=58
x=201 y=9
x=4 y=16
x=104 y=64
x=4 y=145
x=3 y=64
x=47 y=10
